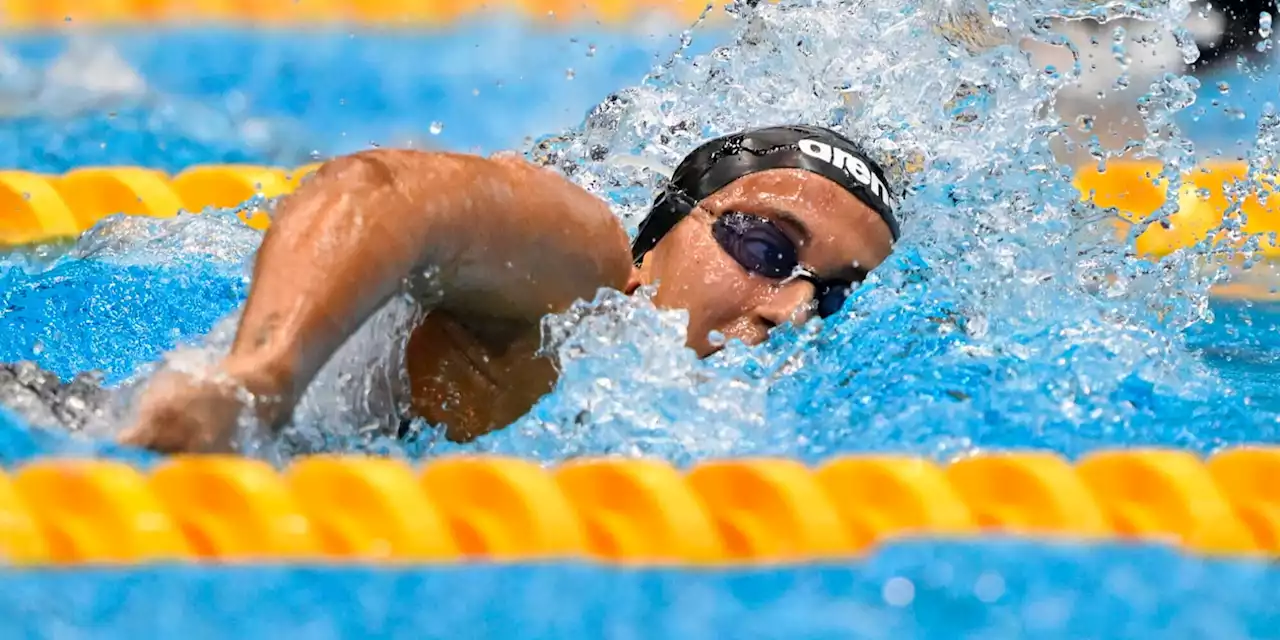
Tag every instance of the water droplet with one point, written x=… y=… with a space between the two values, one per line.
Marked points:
x=1084 y=122
x=436 y=127
x=569 y=73
x=1186 y=45
x=989 y=587
x=1224 y=88
x=591 y=51
x=716 y=339
x=1264 y=25
x=1118 y=51
x=898 y=592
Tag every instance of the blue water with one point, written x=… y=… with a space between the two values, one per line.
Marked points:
x=100 y=313
x=330 y=92
x=991 y=589
x=341 y=91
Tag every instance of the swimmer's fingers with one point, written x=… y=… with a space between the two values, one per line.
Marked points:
x=175 y=433
x=179 y=414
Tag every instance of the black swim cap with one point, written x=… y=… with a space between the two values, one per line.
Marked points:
x=718 y=162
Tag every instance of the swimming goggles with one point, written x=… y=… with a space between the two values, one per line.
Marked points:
x=762 y=248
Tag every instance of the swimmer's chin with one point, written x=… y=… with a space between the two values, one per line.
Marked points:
x=706 y=348
x=706 y=351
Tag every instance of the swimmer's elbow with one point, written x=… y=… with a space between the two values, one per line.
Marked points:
x=389 y=188
x=459 y=208
x=364 y=166
x=379 y=169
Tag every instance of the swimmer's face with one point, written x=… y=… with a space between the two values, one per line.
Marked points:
x=762 y=217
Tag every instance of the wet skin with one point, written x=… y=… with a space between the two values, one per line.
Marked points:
x=509 y=243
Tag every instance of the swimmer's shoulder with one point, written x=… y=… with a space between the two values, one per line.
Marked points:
x=512 y=239
x=589 y=228
x=412 y=168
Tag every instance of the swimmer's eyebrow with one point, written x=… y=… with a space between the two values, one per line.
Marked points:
x=850 y=273
x=794 y=221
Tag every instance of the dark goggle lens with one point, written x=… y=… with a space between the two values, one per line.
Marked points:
x=756 y=244
x=762 y=248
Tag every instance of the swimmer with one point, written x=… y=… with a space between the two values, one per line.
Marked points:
x=754 y=230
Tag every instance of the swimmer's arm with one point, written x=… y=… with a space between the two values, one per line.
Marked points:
x=510 y=241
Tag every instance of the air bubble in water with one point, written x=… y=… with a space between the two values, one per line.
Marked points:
x=1224 y=88
x=591 y=51
x=1264 y=25
x=570 y=74
x=436 y=127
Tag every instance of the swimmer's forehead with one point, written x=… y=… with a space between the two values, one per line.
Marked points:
x=817 y=212
x=722 y=161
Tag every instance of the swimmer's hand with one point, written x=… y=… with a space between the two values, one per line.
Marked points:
x=180 y=412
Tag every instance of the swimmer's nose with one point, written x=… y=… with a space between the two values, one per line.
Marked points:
x=792 y=302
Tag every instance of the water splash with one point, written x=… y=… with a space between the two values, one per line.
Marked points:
x=1008 y=317
x=354 y=401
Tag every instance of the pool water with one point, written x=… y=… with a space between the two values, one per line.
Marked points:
x=110 y=314
x=945 y=353
x=990 y=589
x=177 y=98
